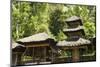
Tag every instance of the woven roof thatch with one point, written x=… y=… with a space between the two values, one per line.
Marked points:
x=74 y=29
x=35 y=38
x=14 y=45
x=79 y=42
x=17 y=47
x=73 y=18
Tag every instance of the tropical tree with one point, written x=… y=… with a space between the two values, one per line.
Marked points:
x=29 y=18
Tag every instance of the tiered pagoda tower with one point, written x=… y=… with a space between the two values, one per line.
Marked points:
x=75 y=28
x=75 y=34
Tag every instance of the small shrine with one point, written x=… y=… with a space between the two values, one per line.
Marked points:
x=76 y=40
x=40 y=49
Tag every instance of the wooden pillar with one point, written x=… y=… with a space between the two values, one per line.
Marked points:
x=13 y=62
x=18 y=59
x=33 y=54
x=75 y=55
x=52 y=58
x=39 y=55
x=44 y=54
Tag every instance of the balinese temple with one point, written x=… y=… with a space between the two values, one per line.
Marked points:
x=40 y=49
x=76 y=40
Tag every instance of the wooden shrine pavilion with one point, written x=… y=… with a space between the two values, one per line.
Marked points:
x=40 y=49
x=76 y=40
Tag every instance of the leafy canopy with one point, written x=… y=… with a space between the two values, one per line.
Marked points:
x=29 y=18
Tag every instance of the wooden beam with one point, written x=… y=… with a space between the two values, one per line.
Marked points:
x=52 y=58
x=17 y=52
x=37 y=45
x=16 y=59
x=75 y=55
x=72 y=47
x=44 y=52
x=33 y=54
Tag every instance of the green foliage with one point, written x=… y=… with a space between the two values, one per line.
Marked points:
x=55 y=24
x=87 y=14
x=29 y=18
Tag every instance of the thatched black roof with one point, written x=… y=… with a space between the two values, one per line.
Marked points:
x=40 y=37
x=17 y=47
x=14 y=45
x=79 y=42
x=74 y=19
x=73 y=30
